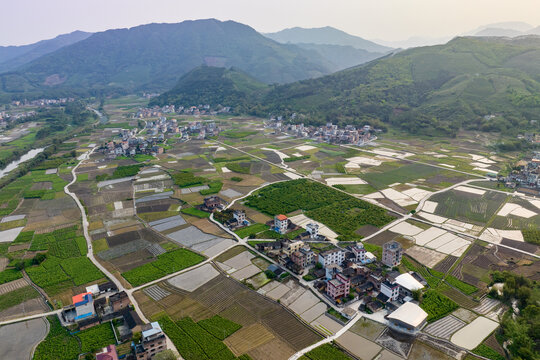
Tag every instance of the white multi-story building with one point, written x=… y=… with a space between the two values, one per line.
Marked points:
x=240 y=216
x=281 y=223
x=359 y=252
x=390 y=290
x=312 y=229
x=334 y=256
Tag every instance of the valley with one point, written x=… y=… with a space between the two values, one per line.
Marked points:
x=201 y=190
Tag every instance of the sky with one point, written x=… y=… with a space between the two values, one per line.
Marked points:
x=28 y=21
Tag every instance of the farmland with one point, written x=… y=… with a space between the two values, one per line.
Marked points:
x=459 y=205
x=265 y=326
x=251 y=229
x=220 y=327
x=17 y=296
x=436 y=305
x=341 y=212
x=167 y=263
x=61 y=345
x=391 y=173
x=193 y=341
x=326 y=352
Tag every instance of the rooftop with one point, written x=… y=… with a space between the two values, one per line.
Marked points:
x=409 y=313
x=409 y=282
x=281 y=217
x=81 y=298
x=154 y=330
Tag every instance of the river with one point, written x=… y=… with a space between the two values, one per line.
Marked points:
x=15 y=164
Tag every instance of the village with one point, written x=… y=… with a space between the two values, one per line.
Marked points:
x=343 y=275
x=157 y=111
x=103 y=303
x=526 y=176
x=156 y=136
x=329 y=133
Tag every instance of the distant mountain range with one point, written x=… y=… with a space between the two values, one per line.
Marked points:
x=428 y=90
x=154 y=56
x=480 y=83
x=326 y=36
x=505 y=29
x=12 y=57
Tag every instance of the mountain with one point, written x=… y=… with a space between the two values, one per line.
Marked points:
x=325 y=36
x=154 y=56
x=518 y=26
x=534 y=31
x=12 y=57
x=414 y=41
x=434 y=90
x=341 y=57
x=499 y=32
x=212 y=85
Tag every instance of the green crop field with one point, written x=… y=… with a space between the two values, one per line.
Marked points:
x=167 y=263
x=194 y=342
x=470 y=208
x=17 y=296
x=326 y=352
x=341 y=212
x=59 y=344
x=251 y=229
x=390 y=173
x=437 y=305
x=219 y=327
x=195 y=212
x=9 y=275
x=96 y=337
x=66 y=264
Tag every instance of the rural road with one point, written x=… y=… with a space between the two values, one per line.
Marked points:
x=90 y=252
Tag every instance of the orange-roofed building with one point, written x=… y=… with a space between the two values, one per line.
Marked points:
x=281 y=223
x=84 y=306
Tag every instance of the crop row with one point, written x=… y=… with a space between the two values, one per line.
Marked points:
x=167 y=263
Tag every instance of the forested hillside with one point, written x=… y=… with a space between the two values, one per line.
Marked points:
x=490 y=84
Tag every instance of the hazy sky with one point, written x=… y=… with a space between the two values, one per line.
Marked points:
x=27 y=21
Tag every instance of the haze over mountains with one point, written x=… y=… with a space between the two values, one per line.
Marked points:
x=154 y=56
x=414 y=89
x=506 y=29
x=11 y=57
x=326 y=36
x=429 y=90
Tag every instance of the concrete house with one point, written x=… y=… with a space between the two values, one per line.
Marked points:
x=281 y=223
x=392 y=253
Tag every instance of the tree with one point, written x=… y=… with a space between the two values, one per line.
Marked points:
x=417 y=295
x=136 y=338
x=165 y=355
x=39 y=258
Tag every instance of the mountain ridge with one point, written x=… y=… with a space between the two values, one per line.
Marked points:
x=12 y=56
x=325 y=36
x=154 y=56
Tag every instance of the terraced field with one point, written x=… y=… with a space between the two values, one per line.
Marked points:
x=266 y=325
x=463 y=206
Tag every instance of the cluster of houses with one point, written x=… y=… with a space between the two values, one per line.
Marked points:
x=352 y=273
x=157 y=132
x=157 y=111
x=104 y=303
x=132 y=147
x=526 y=176
x=199 y=129
x=6 y=117
x=330 y=133
x=41 y=102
